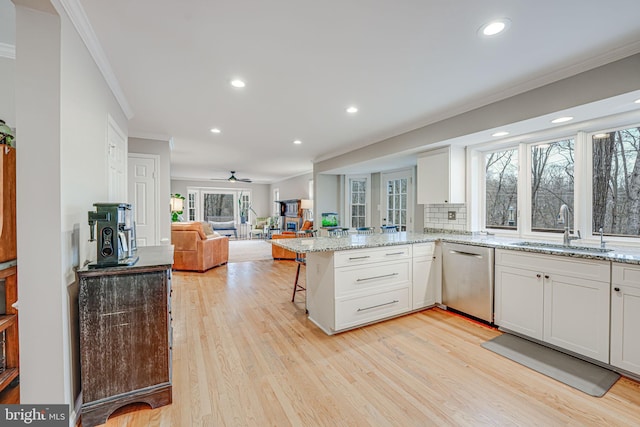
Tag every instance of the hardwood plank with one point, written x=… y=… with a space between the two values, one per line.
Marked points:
x=244 y=355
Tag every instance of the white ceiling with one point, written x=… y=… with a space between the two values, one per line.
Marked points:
x=404 y=64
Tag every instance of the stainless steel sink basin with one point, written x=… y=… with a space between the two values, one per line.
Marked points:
x=563 y=247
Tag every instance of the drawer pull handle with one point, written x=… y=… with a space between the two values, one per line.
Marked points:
x=379 y=305
x=377 y=277
x=359 y=257
x=616 y=289
x=395 y=253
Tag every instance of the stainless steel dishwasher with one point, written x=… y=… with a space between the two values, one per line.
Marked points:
x=467 y=279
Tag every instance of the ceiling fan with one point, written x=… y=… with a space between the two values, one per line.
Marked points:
x=233 y=178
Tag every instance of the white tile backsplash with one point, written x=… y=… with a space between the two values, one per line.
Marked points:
x=437 y=216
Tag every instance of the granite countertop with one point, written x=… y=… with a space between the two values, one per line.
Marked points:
x=357 y=241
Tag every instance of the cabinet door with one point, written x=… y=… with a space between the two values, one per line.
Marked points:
x=519 y=300
x=424 y=288
x=576 y=315
x=433 y=178
x=625 y=327
x=123 y=333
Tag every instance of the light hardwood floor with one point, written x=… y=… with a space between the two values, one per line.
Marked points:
x=244 y=355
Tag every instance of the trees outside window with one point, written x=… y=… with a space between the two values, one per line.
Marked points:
x=616 y=182
x=501 y=185
x=552 y=184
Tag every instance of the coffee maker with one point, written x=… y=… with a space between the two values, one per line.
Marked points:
x=116 y=234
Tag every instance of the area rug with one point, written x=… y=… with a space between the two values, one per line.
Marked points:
x=574 y=372
x=249 y=250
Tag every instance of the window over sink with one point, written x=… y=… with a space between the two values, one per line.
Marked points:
x=596 y=174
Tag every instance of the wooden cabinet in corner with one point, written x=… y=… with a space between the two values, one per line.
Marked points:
x=125 y=335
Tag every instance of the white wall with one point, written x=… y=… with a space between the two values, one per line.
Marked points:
x=62 y=108
x=162 y=149
x=7 y=91
x=7 y=63
x=293 y=188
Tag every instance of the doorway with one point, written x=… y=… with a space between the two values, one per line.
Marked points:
x=397 y=199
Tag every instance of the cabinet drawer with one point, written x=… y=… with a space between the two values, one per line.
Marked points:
x=373 y=255
x=423 y=249
x=626 y=274
x=558 y=264
x=354 y=279
x=357 y=311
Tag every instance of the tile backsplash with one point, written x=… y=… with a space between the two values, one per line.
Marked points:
x=437 y=216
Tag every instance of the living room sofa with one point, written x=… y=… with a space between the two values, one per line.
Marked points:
x=197 y=247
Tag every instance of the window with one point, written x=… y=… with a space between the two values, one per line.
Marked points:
x=616 y=182
x=357 y=200
x=397 y=202
x=358 y=189
x=191 y=205
x=501 y=185
x=552 y=183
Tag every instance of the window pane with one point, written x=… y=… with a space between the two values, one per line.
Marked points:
x=616 y=186
x=551 y=184
x=501 y=183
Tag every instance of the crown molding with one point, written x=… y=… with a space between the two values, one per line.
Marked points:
x=7 y=51
x=78 y=17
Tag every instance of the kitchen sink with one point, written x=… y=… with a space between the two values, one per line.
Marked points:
x=562 y=247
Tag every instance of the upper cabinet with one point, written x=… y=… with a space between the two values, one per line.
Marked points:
x=441 y=176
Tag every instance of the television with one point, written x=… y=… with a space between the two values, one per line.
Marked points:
x=329 y=219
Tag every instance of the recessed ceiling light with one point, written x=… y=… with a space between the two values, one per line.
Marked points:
x=601 y=135
x=237 y=83
x=215 y=130
x=501 y=133
x=297 y=142
x=562 y=119
x=352 y=110
x=495 y=27
x=637 y=101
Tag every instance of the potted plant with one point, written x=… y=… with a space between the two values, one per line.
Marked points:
x=244 y=210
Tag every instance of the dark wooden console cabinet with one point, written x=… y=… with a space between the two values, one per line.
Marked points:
x=125 y=335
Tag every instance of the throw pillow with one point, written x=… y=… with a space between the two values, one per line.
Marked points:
x=206 y=227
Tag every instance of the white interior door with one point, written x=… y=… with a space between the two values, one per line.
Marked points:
x=397 y=199
x=144 y=196
x=116 y=162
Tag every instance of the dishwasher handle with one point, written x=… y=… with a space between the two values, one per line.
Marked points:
x=465 y=254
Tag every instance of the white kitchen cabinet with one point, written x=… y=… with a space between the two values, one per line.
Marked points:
x=625 y=317
x=576 y=314
x=559 y=300
x=519 y=300
x=351 y=288
x=441 y=176
x=426 y=277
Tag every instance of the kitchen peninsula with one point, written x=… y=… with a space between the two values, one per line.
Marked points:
x=360 y=279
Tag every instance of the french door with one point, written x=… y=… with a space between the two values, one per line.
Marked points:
x=397 y=198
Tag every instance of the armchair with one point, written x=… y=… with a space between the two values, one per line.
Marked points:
x=197 y=247
x=280 y=253
x=259 y=226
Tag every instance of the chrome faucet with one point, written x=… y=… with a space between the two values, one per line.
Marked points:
x=563 y=218
x=603 y=244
